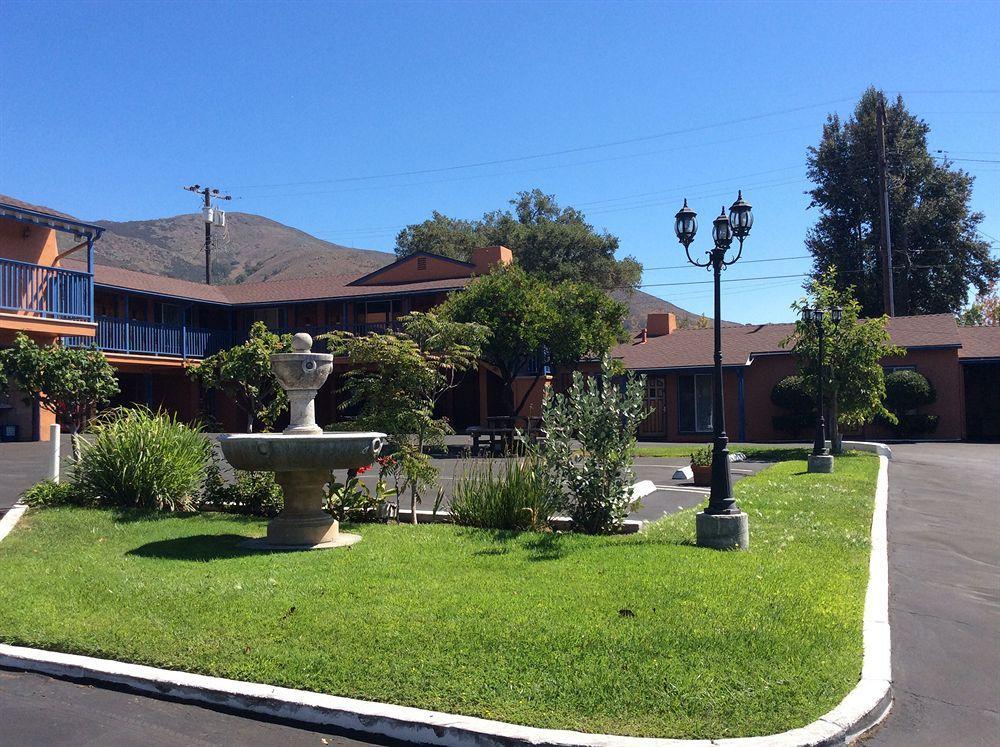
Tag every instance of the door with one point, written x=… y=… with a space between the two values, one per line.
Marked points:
x=655 y=423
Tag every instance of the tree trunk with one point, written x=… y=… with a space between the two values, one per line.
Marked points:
x=836 y=441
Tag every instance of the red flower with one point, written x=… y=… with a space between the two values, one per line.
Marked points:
x=362 y=470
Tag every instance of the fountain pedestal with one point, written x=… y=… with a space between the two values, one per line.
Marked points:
x=302 y=522
x=302 y=457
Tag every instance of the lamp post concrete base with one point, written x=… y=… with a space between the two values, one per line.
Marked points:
x=723 y=531
x=820 y=463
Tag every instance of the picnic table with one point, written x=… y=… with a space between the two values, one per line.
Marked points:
x=500 y=431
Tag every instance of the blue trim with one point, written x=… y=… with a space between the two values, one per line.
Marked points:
x=979 y=361
x=407 y=258
x=742 y=406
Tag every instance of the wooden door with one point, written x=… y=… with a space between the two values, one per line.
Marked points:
x=655 y=423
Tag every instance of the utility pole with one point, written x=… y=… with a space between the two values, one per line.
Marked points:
x=888 y=296
x=208 y=193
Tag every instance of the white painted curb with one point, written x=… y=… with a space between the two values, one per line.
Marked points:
x=10 y=518
x=862 y=708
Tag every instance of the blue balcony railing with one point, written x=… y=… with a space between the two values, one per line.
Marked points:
x=49 y=292
x=116 y=335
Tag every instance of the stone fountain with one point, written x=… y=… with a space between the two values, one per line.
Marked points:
x=303 y=456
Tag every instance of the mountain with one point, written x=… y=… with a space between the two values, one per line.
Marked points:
x=640 y=304
x=250 y=248
x=254 y=248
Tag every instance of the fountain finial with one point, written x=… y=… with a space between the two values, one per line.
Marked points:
x=302 y=342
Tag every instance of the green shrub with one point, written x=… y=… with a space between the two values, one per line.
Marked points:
x=141 y=459
x=48 y=493
x=252 y=493
x=506 y=494
x=591 y=437
x=791 y=394
x=905 y=391
x=702 y=457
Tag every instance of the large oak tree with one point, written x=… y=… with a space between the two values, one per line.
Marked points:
x=553 y=242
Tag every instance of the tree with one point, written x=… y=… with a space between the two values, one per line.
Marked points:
x=71 y=383
x=854 y=383
x=398 y=379
x=530 y=318
x=244 y=373
x=984 y=311
x=937 y=252
x=546 y=240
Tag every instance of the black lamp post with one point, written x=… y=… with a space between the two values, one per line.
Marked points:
x=724 y=229
x=821 y=461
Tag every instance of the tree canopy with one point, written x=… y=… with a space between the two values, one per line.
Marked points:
x=530 y=318
x=937 y=251
x=854 y=381
x=984 y=310
x=244 y=373
x=71 y=383
x=553 y=242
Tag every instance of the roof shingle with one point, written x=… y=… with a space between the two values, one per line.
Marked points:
x=689 y=348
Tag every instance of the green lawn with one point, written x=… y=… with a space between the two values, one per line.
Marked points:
x=522 y=628
x=758 y=452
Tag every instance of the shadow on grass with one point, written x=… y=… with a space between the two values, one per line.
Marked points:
x=197 y=547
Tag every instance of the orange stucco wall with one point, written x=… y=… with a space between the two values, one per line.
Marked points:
x=26 y=243
x=407 y=271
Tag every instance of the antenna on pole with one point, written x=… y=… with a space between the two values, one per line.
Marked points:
x=211 y=215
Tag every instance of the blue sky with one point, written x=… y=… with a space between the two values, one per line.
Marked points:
x=302 y=109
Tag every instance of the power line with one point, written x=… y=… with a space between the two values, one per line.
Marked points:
x=548 y=154
x=746 y=261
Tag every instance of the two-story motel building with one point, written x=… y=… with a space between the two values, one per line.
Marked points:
x=151 y=328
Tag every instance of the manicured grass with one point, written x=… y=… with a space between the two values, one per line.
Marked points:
x=527 y=628
x=755 y=452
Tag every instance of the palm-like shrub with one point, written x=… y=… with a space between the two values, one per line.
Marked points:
x=146 y=460
x=506 y=494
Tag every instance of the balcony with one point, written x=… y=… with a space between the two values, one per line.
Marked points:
x=115 y=335
x=46 y=292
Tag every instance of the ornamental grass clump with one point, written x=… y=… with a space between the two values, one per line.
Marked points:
x=508 y=493
x=145 y=460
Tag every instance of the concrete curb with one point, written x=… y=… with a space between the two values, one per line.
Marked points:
x=862 y=708
x=10 y=518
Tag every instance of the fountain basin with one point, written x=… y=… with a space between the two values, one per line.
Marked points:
x=286 y=452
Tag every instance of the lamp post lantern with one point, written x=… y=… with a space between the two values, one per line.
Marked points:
x=722 y=524
x=821 y=460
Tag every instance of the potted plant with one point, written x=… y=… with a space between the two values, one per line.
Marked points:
x=701 y=466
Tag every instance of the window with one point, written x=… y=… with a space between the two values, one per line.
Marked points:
x=893 y=369
x=275 y=317
x=169 y=313
x=694 y=403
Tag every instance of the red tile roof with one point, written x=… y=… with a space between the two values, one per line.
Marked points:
x=979 y=342
x=333 y=287
x=688 y=348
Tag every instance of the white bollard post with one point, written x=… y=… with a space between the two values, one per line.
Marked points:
x=55 y=437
